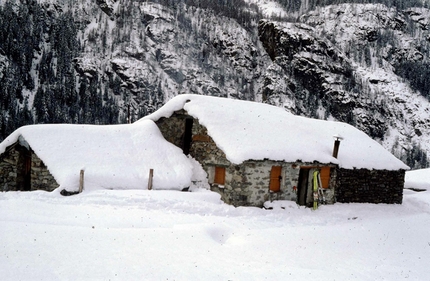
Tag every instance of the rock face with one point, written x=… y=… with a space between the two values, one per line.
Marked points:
x=107 y=6
x=344 y=62
x=114 y=61
x=321 y=73
x=325 y=83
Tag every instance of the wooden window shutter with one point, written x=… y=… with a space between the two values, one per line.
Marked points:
x=275 y=178
x=325 y=177
x=219 y=177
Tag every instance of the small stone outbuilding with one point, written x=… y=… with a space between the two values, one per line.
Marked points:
x=51 y=156
x=254 y=152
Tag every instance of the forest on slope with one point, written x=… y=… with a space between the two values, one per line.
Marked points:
x=114 y=61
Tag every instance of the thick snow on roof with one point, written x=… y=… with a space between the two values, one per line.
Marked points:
x=113 y=156
x=246 y=130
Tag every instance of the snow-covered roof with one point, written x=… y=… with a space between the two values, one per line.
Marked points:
x=246 y=130
x=113 y=156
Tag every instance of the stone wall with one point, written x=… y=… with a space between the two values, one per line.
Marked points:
x=8 y=170
x=173 y=128
x=248 y=184
x=203 y=148
x=10 y=175
x=41 y=178
x=370 y=186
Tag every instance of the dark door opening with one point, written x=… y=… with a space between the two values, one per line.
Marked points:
x=302 y=190
x=27 y=172
x=23 y=178
x=186 y=141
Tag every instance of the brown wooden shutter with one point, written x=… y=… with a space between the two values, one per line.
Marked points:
x=325 y=177
x=275 y=178
x=219 y=175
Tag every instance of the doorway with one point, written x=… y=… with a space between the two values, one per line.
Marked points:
x=305 y=184
x=23 y=177
x=302 y=186
x=187 y=137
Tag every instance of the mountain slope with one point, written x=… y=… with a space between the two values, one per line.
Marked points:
x=113 y=61
x=344 y=62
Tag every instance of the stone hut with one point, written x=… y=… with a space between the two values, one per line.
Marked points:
x=50 y=156
x=254 y=152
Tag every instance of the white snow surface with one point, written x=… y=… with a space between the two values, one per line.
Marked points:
x=171 y=235
x=246 y=130
x=418 y=179
x=269 y=8
x=112 y=156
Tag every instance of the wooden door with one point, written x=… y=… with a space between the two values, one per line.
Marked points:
x=275 y=179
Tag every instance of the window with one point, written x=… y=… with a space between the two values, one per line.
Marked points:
x=219 y=177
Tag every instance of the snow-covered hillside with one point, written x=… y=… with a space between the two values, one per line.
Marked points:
x=106 y=61
x=384 y=39
x=172 y=235
x=351 y=62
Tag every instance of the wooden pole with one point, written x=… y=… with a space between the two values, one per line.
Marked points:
x=81 y=181
x=151 y=175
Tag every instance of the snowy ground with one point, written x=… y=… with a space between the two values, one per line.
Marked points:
x=171 y=235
